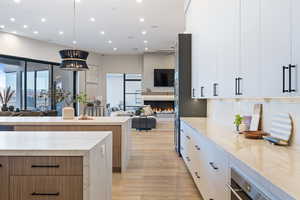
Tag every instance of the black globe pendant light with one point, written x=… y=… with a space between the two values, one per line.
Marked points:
x=74 y=59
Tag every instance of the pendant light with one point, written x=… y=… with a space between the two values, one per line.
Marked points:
x=74 y=59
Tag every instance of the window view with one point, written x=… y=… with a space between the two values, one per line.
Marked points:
x=11 y=76
x=133 y=91
x=32 y=85
x=115 y=91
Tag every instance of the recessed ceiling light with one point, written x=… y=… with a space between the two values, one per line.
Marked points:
x=74 y=42
x=25 y=26
x=144 y=32
x=36 y=32
x=92 y=19
x=2 y=26
x=146 y=49
x=139 y=1
x=43 y=19
x=102 y=32
x=115 y=49
x=145 y=41
x=60 y=32
x=142 y=19
x=14 y=32
x=17 y=1
x=109 y=41
x=12 y=19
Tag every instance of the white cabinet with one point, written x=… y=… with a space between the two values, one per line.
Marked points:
x=228 y=46
x=275 y=46
x=245 y=48
x=207 y=163
x=295 y=76
x=251 y=72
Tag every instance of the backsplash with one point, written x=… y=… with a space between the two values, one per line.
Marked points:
x=223 y=111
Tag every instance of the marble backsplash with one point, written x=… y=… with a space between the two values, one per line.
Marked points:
x=222 y=111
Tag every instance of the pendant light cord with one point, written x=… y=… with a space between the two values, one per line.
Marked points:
x=74 y=24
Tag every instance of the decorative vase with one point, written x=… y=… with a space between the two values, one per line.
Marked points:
x=68 y=113
x=11 y=108
x=4 y=108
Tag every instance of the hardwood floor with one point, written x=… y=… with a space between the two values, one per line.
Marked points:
x=155 y=172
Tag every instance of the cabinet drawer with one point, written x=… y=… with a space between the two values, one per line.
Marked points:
x=46 y=187
x=4 y=178
x=46 y=166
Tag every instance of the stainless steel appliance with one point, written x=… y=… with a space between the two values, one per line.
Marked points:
x=243 y=189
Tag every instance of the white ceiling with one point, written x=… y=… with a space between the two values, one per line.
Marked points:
x=118 y=18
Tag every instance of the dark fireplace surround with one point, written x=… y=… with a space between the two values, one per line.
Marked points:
x=164 y=106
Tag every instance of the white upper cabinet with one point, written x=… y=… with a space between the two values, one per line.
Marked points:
x=275 y=46
x=251 y=72
x=295 y=71
x=228 y=46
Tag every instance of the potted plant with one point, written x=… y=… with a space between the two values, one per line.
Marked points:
x=83 y=99
x=5 y=97
x=63 y=96
x=238 y=121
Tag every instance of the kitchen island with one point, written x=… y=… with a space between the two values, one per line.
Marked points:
x=55 y=165
x=119 y=126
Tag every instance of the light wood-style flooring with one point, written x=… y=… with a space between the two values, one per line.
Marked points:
x=155 y=172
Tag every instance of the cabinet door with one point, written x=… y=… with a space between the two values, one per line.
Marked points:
x=4 y=178
x=296 y=47
x=228 y=46
x=276 y=45
x=191 y=17
x=250 y=48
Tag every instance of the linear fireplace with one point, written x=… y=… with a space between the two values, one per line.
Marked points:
x=161 y=106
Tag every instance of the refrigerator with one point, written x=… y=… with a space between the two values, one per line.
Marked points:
x=185 y=105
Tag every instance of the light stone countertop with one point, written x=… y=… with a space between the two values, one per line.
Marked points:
x=279 y=165
x=38 y=143
x=12 y=121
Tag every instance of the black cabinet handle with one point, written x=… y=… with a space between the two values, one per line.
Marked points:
x=44 y=166
x=290 y=78
x=45 y=194
x=0 y=165
x=213 y=166
x=239 y=92
x=197 y=147
x=193 y=92
x=197 y=175
x=283 y=79
x=236 y=87
x=215 y=89
x=202 y=93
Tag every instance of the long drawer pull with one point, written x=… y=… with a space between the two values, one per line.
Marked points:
x=0 y=165
x=197 y=175
x=45 y=194
x=44 y=166
x=213 y=166
x=197 y=147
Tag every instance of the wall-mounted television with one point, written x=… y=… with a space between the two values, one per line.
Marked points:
x=164 y=77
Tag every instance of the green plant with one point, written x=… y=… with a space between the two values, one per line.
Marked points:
x=82 y=98
x=6 y=95
x=238 y=120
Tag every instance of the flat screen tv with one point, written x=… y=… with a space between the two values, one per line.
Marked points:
x=164 y=77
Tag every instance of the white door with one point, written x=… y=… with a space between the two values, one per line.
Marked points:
x=228 y=46
x=296 y=47
x=250 y=48
x=276 y=47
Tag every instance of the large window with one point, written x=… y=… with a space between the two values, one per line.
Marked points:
x=34 y=82
x=124 y=91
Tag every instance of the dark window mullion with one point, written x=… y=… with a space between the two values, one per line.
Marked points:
x=35 y=89
x=25 y=86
